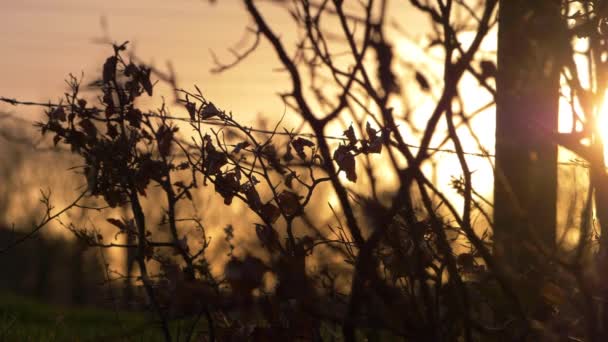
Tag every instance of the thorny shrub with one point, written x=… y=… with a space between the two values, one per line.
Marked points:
x=126 y=151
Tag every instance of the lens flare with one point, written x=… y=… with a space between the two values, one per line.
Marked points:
x=601 y=125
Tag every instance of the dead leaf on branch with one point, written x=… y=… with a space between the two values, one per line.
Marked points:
x=109 y=69
x=346 y=161
x=214 y=160
x=288 y=156
x=374 y=142
x=270 y=213
x=144 y=79
x=227 y=185
x=209 y=111
x=252 y=195
x=299 y=144
x=289 y=180
x=290 y=203
x=350 y=134
x=164 y=136
x=191 y=108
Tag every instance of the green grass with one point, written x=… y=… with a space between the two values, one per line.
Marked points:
x=25 y=319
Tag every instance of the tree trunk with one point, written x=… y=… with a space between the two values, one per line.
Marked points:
x=525 y=188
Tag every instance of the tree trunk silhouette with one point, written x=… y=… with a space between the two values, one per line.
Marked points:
x=525 y=189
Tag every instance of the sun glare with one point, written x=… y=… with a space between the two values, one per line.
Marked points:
x=602 y=125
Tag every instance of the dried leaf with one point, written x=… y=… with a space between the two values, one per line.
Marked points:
x=374 y=144
x=109 y=69
x=288 y=156
x=164 y=136
x=227 y=186
x=289 y=202
x=144 y=79
x=346 y=162
x=299 y=144
x=350 y=134
x=270 y=213
x=214 y=160
x=191 y=107
x=209 y=111
x=253 y=197
x=289 y=179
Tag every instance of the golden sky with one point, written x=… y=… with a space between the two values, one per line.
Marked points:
x=45 y=40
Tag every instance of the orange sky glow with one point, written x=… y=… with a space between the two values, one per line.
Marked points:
x=43 y=41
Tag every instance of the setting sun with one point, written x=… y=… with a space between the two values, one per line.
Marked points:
x=602 y=126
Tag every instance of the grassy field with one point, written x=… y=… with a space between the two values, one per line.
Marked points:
x=24 y=319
